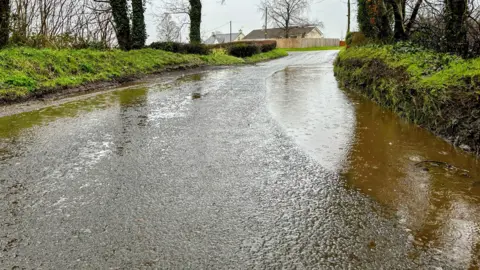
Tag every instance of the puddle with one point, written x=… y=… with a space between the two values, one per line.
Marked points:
x=430 y=187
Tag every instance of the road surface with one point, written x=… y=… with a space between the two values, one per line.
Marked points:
x=156 y=178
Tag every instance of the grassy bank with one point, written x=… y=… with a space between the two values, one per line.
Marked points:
x=437 y=91
x=277 y=53
x=27 y=73
x=326 y=48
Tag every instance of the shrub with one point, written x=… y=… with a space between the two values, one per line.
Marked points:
x=268 y=47
x=184 y=48
x=243 y=50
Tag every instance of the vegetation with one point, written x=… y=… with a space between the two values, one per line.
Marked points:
x=122 y=23
x=243 y=50
x=445 y=26
x=139 y=30
x=4 y=22
x=184 y=48
x=195 y=14
x=325 y=48
x=277 y=53
x=27 y=72
x=435 y=90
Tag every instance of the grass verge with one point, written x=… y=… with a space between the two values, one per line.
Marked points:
x=440 y=92
x=277 y=53
x=27 y=73
x=326 y=48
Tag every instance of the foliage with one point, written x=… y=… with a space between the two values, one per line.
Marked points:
x=183 y=48
x=139 y=31
x=122 y=23
x=195 y=14
x=266 y=47
x=435 y=90
x=64 y=41
x=4 y=22
x=373 y=19
x=243 y=50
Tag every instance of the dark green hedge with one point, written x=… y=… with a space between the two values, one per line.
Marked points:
x=184 y=48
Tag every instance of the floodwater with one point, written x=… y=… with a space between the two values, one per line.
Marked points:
x=432 y=188
x=429 y=186
x=268 y=166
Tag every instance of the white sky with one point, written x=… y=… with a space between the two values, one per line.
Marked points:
x=245 y=15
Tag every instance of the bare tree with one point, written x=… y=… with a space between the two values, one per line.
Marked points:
x=168 y=30
x=286 y=14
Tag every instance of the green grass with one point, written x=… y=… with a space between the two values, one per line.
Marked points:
x=326 y=48
x=440 y=92
x=277 y=53
x=27 y=72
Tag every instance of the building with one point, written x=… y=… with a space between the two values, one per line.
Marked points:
x=218 y=38
x=278 y=33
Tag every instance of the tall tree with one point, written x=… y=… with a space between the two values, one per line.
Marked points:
x=122 y=23
x=195 y=14
x=374 y=19
x=4 y=22
x=349 y=16
x=456 y=14
x=139 y=31
x=287 y=13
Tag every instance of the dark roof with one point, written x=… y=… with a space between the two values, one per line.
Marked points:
x=221 y=38
x=279 y=32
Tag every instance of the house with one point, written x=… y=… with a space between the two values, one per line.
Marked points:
x=278 y=33
x=218 y=38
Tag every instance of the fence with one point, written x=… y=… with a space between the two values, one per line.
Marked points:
x=289 y=43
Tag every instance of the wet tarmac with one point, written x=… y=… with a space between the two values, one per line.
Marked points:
x=268 y=166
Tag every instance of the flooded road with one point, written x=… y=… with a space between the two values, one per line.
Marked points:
x=268 y=166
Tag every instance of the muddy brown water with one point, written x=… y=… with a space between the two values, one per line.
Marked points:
x=429 y=186
x=152 y=177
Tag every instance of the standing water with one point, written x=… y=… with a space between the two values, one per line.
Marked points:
x=431 y=188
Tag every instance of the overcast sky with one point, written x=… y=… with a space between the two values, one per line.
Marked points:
x=245 y=15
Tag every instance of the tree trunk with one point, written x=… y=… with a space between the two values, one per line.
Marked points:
x=139 y=32
x=122 y=23
x=456 y=12
x=348 y=16
x=385 y=31
x=195 y=14
x=4 y=22
x=413 y=17
x=399 y=32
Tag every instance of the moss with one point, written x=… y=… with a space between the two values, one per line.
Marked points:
x=437 y=91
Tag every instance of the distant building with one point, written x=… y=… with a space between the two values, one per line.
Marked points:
x=218 y=38
x=278 y=33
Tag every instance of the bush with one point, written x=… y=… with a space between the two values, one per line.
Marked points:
x=243 y=50
x=268 y=47
x=184 y=48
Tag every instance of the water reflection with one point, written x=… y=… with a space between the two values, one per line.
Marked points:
x=307 y=103
x=437 y=201
x=133 y=114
